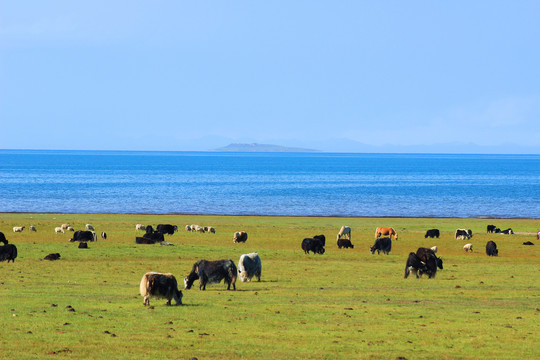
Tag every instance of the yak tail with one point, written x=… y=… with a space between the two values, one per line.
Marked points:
x=233 y=274
x=152 y=284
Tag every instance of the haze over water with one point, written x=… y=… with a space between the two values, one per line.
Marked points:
x=296 y=184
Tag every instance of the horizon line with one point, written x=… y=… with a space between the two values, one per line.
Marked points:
x=265 y=152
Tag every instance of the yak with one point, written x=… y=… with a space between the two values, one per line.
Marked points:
x=160 y=285
x=208 y=272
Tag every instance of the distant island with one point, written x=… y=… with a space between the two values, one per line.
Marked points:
x=254 y=147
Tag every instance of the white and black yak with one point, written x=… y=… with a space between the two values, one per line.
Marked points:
x=463 y=234
x=249 y=265
x=240 y=236
x=160 y=285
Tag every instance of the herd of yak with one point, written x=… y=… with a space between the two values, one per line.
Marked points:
x=423 y=261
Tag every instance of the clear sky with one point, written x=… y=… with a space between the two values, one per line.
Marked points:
x=330 y=75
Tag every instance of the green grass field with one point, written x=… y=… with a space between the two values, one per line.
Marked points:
x=345 y=304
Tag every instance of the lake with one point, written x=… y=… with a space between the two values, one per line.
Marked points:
x=295 y=184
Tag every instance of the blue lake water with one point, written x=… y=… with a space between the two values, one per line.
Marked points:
x=311 y=184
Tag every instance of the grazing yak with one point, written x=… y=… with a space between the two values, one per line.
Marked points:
x=65 y=226
x=345 y=243
x=249 y=265
x=89 y=227
x=140 y=227
x=209 y=272
x=508 y=231
x=240 y=236
x=468 y=247
x=210 y=229
x=388 y=231
x=83 y=236
x=18 y=228
x=345 y=231
x=491 y=249
x=7 y=251
x=197 y=228
x=32 y=228
x=383 y=244
x=160 y=285
x=104 y=235
x=415 y=265
x=315 y=245
x=58 y=230
x=432 y=233
x=51 y=257
x=431 y=260
x=166 y=229
x=491 y=228
x=463 y=234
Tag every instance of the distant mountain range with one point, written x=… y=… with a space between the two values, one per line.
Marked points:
x=254 y=147
x=352 y=146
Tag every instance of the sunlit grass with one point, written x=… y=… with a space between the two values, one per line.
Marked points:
x=345 y=304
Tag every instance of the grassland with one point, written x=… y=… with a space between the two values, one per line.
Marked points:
x=345 y=304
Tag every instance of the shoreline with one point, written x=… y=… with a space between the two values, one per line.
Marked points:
x=481 y=217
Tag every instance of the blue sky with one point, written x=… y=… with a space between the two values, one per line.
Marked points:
x=454 y=76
